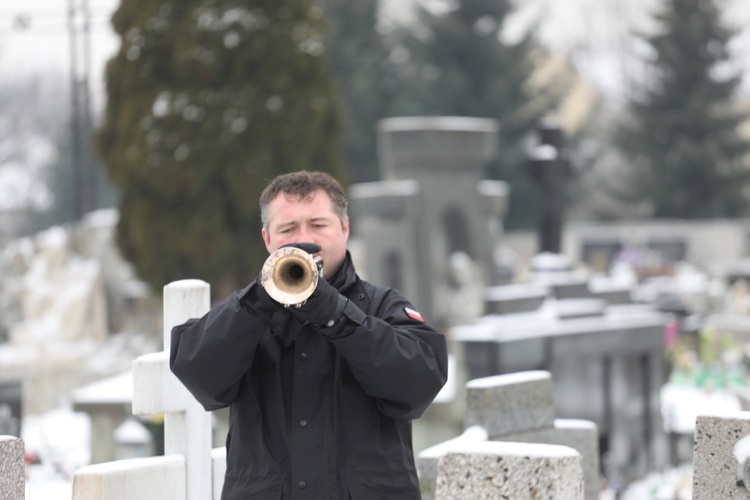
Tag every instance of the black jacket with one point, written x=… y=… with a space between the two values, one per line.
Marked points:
x=315 y=413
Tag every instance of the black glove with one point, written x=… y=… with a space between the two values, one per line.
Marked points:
x=324 y=308
x=326 y=305
x=256 y=297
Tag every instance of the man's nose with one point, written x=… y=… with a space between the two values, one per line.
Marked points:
x=304 y=235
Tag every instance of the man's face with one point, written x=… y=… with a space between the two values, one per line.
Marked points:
x=292 y=219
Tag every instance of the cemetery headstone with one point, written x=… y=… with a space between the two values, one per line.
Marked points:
x=607 y=369
x=10 y=408
x=12 y=468
x=511 y=470
x=513 y=409
x=721 y=456
x=106 y=402
x=190 y=469
x=431 y=227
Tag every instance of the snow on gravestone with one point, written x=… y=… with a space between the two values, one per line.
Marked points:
x=189 y=466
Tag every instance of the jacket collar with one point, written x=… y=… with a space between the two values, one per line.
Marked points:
x=346 y=276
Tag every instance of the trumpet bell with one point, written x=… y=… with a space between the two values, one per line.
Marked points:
x=290 y=275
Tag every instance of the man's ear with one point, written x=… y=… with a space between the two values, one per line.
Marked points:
x=266 y=239
x=345 y=227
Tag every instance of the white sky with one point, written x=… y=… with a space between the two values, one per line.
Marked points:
x=34 y=34
x=35 y=38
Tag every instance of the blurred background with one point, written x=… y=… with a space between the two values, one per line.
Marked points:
x=611 y=146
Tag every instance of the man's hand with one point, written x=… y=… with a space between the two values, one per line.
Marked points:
x=323 y=308
x=258 y=299
x=326 y=305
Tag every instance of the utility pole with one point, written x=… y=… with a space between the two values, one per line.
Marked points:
x=79 y=18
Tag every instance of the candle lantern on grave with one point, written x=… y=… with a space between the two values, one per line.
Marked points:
x=550 y=169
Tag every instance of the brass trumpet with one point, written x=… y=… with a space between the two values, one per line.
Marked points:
x=290 y=275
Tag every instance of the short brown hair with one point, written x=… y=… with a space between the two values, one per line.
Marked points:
x=303 y=184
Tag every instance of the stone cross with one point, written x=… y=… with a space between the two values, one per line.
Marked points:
x=550 y=169
x=189 y=469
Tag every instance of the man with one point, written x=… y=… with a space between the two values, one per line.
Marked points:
x=321 y=396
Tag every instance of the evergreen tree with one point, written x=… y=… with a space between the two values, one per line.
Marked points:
x=457 y=64
x=207 y=101
x=356 y=52
x=682 y=138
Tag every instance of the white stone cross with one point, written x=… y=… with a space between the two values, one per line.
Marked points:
x=189 y=469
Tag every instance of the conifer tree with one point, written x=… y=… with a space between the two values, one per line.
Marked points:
x=457 y=64
x=356 y=52
x=681 y=139
x=207 y=101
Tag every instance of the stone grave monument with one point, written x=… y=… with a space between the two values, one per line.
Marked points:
x=512 y=418
x=607 y=360
x=721 y=458
x=190 y=469
x=10 y=407
x=12 y=467
x=431 y=226
x=550 y=168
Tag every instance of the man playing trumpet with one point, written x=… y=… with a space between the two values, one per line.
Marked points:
x=322 y=392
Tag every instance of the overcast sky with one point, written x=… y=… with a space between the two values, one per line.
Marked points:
x=35 y=38
x=35 y=35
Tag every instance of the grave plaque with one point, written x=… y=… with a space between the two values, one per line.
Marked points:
x=10 y=408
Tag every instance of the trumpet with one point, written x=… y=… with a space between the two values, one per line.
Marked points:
x=290 y=275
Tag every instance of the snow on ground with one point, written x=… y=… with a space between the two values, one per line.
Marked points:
x=60 y=441
x=43 y=483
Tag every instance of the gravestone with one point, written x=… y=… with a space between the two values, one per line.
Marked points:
x=190 y=469
x=11 y=395
x=721 y=459
x=598 y=253
x=431 y=227
x=608 y=368
x=510 y=470
x=12 y=468
x=106 y=402
x=513 y=409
